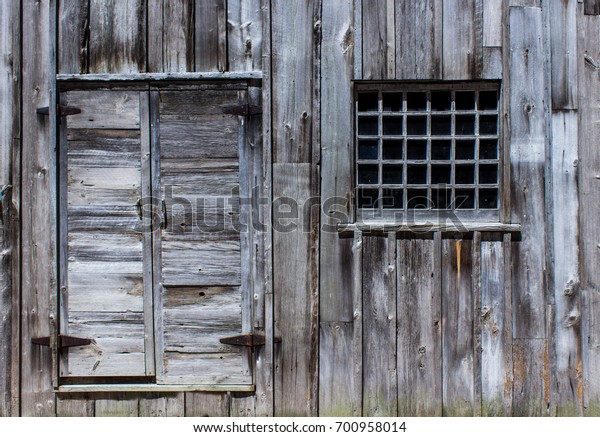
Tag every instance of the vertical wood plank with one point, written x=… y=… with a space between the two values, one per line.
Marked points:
x=495 y=346
x=117 y=36
x=379 y=333
x=244 y=35
x=336 y=381
x=206 y=404
x=527 y=155
x=492 y=63
x=9 y=192
x=418 y=39
x=293 y=44
x=492 y=23
x=296 y=300
x=419 y=333
x=73 y=36
x=589 y=198
x=377 y=36
x=457 y=328
x=162 y=405
x=211 y=35
x=563 y=52
x=336 y=161
x=358 y=32
x=118 y=405
x=564 y=208
x=243 y=405
x=531 y=390
x=477 y=334
x=462 y=42
x=38 y=215
x=265 y=361
x=75 y=406
x=357 y=341
x=170 y=36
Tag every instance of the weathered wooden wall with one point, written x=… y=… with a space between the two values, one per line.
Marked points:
x=468 y=324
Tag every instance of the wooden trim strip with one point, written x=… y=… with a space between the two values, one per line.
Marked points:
x=105 y=388
x=136 y=77
x=417 y=228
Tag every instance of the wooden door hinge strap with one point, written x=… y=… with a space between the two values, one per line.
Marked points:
x=63 y=111
x=248 y=340
x=64 y=341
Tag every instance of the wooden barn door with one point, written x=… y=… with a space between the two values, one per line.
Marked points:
x=106 y=287
x=155 y=257
x=201 y=258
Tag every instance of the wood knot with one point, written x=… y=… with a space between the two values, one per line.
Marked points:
x=422 y=350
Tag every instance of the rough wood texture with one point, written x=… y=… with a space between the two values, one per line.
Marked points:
x=170 y=35
x=380 y=386
x=38 y=211
x=206 y=404
x=563 y=47
x=589 y=196
x=295 y=31
x=591 y=7
x=117 y=36
x=211 y=35
x=527 y=155
x=462 y=39
x=294 y=279
x=244 y=35
x=336 y=161
x=531 y=383
x=162 y=405
x=492 y=23
x=419 y=329
x=378 y=40
x=336 y=256
x=117 y=405
x=496 y=345
x=73 y=36
x=457 y=327
x=418 y=39
x=75 y=406
x=9 y=240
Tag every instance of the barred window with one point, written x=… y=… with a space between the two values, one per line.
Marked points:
x=428 y=149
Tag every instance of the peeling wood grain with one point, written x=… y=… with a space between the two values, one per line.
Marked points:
x=531 y=391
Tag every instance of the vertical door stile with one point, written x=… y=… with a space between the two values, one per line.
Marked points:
x=146 y=229
x=157 y=224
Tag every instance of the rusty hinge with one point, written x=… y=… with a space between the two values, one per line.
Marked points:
x=244 y=110
x=63 y=111
x=64 y=341
x=248 y=340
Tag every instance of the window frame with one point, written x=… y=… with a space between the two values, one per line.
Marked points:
x=438 y=216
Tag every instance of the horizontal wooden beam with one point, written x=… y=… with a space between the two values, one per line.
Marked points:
x=137 y=77
x=146 y=388
x=425 y=228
